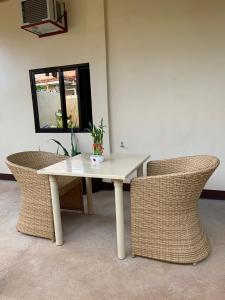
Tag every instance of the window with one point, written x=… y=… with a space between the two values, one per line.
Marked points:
x=61 y=98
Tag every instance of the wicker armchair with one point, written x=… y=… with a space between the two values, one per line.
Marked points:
x=165 y=223
x=36 y=216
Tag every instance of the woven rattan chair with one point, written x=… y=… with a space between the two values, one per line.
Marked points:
x=165 y=223
x=36 y=216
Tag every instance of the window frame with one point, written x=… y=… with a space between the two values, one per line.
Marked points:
x=60 y=70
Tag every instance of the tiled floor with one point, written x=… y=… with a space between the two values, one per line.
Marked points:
x=86 y=267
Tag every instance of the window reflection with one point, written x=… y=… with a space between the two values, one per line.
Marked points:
x=70 y=83
x=48 y=98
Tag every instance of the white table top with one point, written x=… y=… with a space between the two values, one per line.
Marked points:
x=115 y=166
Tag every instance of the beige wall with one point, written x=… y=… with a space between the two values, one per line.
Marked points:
x=21 y=51
x=167 y=78
x=166 y=75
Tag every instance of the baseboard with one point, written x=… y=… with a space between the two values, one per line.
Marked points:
x=109 y=186
x=7 y=177
x=213 y=194
x=98 y=185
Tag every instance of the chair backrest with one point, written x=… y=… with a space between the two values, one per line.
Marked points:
x=24 y=165
x=189 y=164
x=34 y=159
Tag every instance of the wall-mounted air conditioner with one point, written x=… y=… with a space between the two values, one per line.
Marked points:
x=44 y=17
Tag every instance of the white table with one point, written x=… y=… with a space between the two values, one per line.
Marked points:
x=116 y=167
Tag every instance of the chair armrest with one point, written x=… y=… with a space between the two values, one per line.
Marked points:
x=160 y=189
x=198 y=163
x=166 y=166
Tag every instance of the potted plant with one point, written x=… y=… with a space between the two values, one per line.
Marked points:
x=97 y=134
x=74 y=146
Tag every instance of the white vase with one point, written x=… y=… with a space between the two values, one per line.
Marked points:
x=97 y=159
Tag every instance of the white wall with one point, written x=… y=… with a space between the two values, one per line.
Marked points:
x=21 y=51
x=166 y=75
x=167 y=78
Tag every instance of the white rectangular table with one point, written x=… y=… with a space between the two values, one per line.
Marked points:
x=116 y=167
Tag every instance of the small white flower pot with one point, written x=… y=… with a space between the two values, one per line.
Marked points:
x=97 y=159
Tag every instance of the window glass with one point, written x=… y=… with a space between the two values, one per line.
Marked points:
x=72 y=109
x=48 y=99
x=61 y=98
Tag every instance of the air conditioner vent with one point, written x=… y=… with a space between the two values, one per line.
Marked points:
x=34 y=11
x=58 y=11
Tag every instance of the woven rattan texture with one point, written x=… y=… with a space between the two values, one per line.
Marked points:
x=165 y=224
x=36 y=216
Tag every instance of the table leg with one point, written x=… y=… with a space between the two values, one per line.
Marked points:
x=56 y=211
x=140 y=171
x=118 y=186
x=89 y=195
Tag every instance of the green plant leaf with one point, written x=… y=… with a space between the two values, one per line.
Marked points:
x=97 y=133
x=74 y=147
x=60 y=145
x=90 y=127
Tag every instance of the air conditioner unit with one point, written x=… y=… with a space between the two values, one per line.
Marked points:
x=44 y=17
